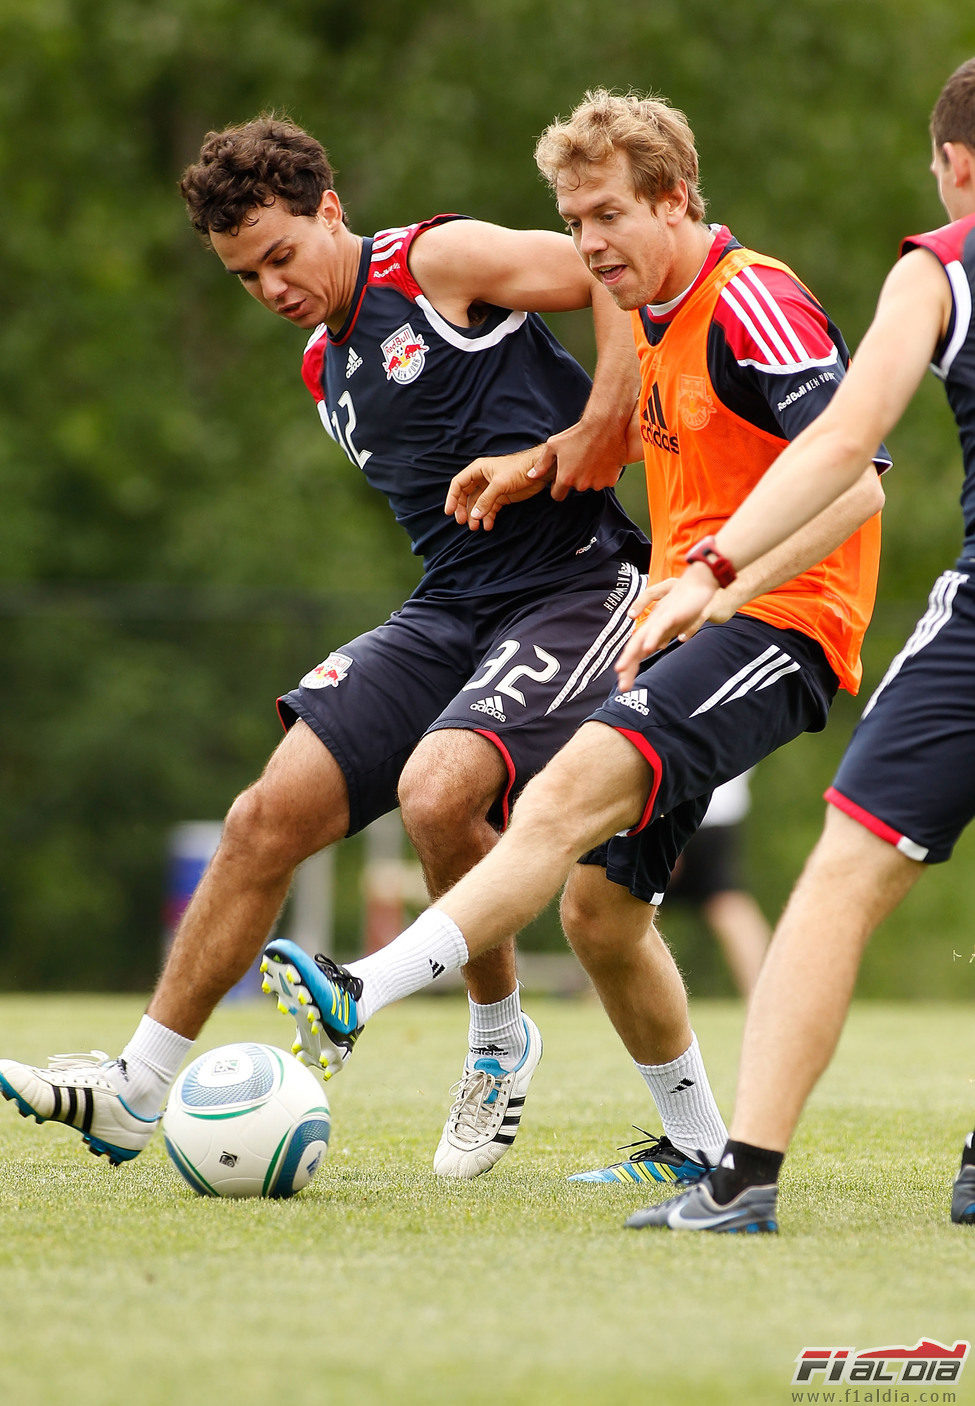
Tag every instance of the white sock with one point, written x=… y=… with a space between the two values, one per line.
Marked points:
x=498 y=1029
x=428 y=949
x=151 y=1060
x=686 y=1105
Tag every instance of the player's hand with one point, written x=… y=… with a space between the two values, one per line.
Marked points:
x=581 y=457
x=671 y=609
x=478 y=493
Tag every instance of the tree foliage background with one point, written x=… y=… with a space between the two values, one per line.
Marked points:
x=178 y=539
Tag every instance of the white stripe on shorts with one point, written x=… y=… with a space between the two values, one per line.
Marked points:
x=933 y=620
x=605 y=646
x=763 y=670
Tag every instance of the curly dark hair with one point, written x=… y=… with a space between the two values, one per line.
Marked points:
x=241 y=168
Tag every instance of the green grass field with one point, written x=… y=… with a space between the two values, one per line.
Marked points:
x=380 y=1284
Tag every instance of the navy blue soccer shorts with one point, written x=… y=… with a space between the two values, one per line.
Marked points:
x=702 y=712
x=522 y=669
x=908 y=773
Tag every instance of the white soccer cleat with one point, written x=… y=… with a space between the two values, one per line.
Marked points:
x=81 y=1091
x=486 y=1111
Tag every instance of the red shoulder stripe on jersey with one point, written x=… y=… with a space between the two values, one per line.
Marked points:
x=770 y=322
x=313 y=360
x=391 y=250
x=946 y=243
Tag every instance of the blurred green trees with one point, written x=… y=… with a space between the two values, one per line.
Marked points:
x=179 y=540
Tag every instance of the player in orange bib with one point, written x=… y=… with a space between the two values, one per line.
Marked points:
x=736 y=357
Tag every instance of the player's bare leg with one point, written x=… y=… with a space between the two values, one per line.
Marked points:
x=594 y=786
x=446 y=791
x=851 y=882
x=297 y=806
x=447 y=788
x=614 y=935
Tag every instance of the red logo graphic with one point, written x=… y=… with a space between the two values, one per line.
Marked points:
x=329 y=673
x=403 y=355
x=927 y=1361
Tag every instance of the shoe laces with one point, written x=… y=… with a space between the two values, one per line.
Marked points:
x=340 y=976
x=473 y=1105
x=92 y=1059
x=651 y=1146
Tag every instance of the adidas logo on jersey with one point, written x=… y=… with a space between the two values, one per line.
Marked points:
x=353 y=363
x=635 y=699
x=653 y=426
x=492 y=706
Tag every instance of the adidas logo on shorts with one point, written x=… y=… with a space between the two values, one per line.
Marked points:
x=492 y=706
x=635 y=699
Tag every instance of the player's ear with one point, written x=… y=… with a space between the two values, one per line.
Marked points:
x=330 y=208
x=675 y=203
x=961 y=159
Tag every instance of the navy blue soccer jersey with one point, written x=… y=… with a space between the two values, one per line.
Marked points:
x=954 y=361
x=412 y=399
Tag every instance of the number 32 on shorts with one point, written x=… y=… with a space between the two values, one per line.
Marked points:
x=506 y=684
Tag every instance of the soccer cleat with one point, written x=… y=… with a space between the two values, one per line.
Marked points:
x=321 y=995
x=963 y=1196
x=659 y=1160
x=80 y=1090
x=487 y=1108
x=752 y=1211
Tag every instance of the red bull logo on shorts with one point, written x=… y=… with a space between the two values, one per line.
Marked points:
x=329 y=673
x=403 y=355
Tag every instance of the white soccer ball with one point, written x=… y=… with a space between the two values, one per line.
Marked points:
x=247 y=1120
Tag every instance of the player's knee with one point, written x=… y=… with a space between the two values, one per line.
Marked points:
x=260 y=833
x=584 y=922
x=437 y=808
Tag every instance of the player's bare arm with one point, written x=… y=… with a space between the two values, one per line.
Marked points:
x=465 y=263
x=478 y=493
x=809 y=545
x=829 y=456
x=593 y=452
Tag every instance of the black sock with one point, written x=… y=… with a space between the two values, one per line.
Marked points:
x=741 y=1165
x=968 y=1151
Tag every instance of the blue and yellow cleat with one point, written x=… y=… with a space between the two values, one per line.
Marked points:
x=656 y=1160
x=321 y=995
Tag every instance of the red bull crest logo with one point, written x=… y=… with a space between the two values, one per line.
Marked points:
x=329 y=673
x=403 y=355
x=695 y=403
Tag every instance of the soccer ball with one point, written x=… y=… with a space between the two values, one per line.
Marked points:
x=247 y=1120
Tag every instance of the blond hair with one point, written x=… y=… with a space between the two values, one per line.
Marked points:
x=654 y=137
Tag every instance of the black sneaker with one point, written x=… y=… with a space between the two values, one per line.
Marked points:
x=963 y=1196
